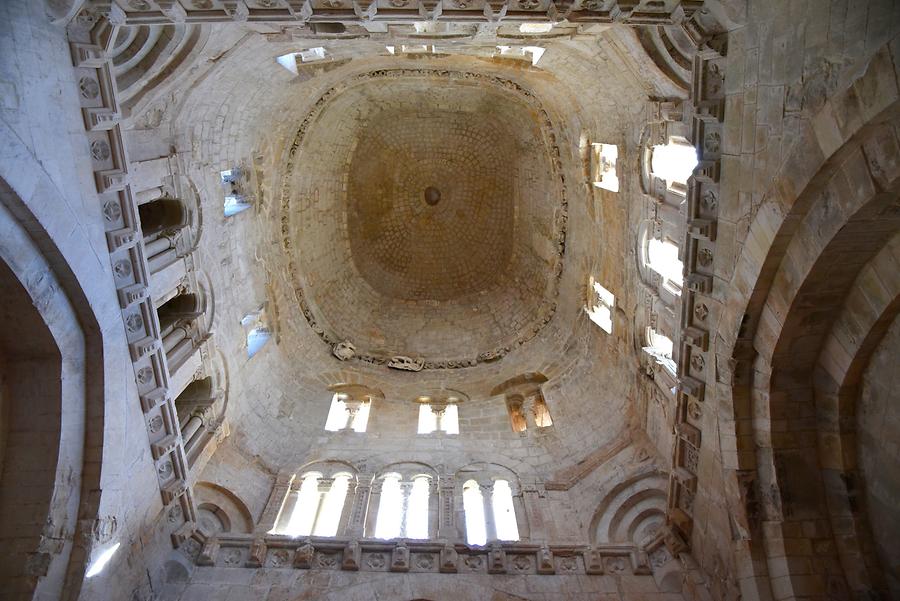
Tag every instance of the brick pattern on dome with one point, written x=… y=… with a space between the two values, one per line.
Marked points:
x=388 y=320
x=409 y=249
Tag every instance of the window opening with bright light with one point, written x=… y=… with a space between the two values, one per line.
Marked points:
x=315 y=508
x=346 y=414
x=662 y=256
x=601 y=305
x=495 y=520
x=604 y=158
x=660 y=347
x=403 y=507
x=674 y=162
x=438 y=418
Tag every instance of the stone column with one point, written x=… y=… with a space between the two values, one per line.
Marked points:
x=405 y=490
x=532 y=503
x=173 y=338
x=374 y=504
x=487 y=497
x=356 y=519
x=191 y=428
x=161 y=253
x=447 y=529
x=277 y=499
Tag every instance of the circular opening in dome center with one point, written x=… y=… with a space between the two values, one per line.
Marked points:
x=432 y=195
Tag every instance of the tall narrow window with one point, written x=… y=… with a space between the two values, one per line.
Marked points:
x=235 y=201
x=302 y=514
x=329 y=518
x=663 y=258
x=473 y=505
x=504 y=513
x=258 y=332
x=347 y=415
x=417 y=508
x=390 y=508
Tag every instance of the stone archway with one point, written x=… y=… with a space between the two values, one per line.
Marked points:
x=830 y=213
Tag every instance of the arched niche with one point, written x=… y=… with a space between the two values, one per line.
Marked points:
x=800 y=335
x=161 y=215
x=632 y=510
x=219 y=510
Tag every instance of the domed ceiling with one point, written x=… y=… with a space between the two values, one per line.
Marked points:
x=426 y=217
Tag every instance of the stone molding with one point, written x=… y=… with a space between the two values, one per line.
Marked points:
x=90 y=39
x=628 y=12
x=694 y=365
x=371 y=555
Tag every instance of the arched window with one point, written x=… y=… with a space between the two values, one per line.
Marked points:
x=346 y=414
x=674 y=162
x=404 y=507
x=315 y=507
x=490 y=512
x=662 y=256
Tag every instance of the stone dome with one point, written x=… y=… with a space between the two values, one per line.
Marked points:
x=439 y=234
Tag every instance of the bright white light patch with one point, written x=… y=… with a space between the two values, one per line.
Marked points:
x=313 y=54
x=535 y=27
x=674 y=162
x=100 y=562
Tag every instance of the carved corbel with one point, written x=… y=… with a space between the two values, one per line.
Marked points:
x=495 y=10
x=365 y=10
x=430 y=10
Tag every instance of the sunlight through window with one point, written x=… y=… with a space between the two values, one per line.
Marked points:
x=333 y=506
x=427 y=419
x=417 y=509
x=600 y=310
x=473 y=506
x=663 y=258
x=303 y=515
x=504 y=513
x=674 y=162
x=390 y=508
